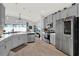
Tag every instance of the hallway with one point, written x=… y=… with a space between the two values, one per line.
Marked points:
x=38 y=48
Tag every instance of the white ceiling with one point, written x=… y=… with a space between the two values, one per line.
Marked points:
x=33 y=11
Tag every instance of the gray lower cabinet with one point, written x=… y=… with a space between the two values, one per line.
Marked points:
x=7 y=46
x=21 y=39
x=25 y=38
x=30 y=37
x=4 y=48
x=33 y=38
x=1 y=48
x=11 y=42
x=18 y=39
x=52 y=38
x=15 y=41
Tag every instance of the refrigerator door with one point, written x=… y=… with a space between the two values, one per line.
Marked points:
x=59 y=34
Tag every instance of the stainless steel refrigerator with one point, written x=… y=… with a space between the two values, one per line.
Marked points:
x=67 y=35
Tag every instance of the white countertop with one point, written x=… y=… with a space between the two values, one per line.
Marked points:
x=30 y=32
x=4 y=36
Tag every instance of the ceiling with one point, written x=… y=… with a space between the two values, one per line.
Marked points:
x=33 y=11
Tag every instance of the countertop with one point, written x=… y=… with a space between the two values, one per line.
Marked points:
x=4 y=36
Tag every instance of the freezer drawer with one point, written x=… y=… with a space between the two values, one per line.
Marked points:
x=66 y=44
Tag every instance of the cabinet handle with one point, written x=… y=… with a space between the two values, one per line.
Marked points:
x=5 y=46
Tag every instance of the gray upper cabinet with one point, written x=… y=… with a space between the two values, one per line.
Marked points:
x=78 y=10
x=44 y=21
x=73 y=10
x=2 y=18
x=47 y=20
x=58 y=15
x=54 y=21
x=2 y=14
x=51 y=20
x=64 y=13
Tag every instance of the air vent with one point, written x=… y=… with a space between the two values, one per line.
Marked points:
x=73 y=4
x=59 y=11
x=55 y=12
x=65 y=8
x=45 y=17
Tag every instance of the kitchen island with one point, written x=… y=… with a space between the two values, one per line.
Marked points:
x=10 y=41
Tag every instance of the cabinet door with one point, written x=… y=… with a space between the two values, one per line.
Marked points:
x=73 y=11
x=1 y=49
x=15 y=41
x=54 y=22
x=32 y=37
x=52 y=38
x=25 y=38
x=57 y=35
x=8 y=45
x=50 y=19
x=64 y=13
x=21 y=39
x=58 y=16
x=28 y=38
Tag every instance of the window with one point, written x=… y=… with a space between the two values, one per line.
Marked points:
x=30 y=27
x=67 y=27
x=16 y=27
